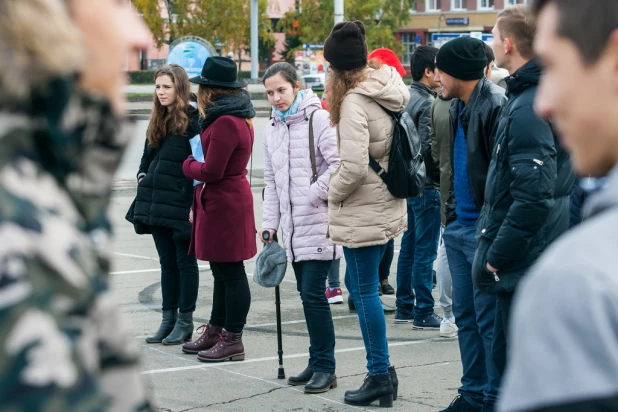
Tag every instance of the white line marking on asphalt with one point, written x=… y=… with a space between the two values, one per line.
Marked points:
x=135 y=256
x=293 y=389
x=262 y=325
x=126 y=272
x=291 y=322
x=297 y=355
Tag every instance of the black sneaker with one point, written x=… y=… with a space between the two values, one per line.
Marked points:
x=459 y=404
x=431 y=322
x=404 y=317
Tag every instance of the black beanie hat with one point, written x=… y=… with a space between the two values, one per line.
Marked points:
x=345 y=48
x=463 y=58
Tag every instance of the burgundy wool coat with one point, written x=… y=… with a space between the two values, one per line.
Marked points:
x=223 y=221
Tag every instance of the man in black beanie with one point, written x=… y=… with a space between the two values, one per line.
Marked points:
x=474 y=111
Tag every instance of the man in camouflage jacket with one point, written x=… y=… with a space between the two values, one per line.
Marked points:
x=62 y=346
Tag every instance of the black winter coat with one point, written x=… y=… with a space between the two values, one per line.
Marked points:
x=419 y=108
x=479 y=119
x=165 y=195
x=528 y=190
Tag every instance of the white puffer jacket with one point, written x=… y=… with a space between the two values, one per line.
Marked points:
x=292 y=204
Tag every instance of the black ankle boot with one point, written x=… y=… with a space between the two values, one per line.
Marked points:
x=302 y=378
x=321 y=382
x=167 y=324
x=351 y=305
x=375 y=387
x=183 y=330
x=394 y=380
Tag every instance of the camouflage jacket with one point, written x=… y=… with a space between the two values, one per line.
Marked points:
x=62 y=346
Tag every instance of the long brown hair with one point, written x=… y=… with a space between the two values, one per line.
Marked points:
x=339 y=83
x=207 y=95
x=164 y=122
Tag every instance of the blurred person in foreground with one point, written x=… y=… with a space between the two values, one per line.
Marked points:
x=564 y=334
x=62 y=134
x=529 y=180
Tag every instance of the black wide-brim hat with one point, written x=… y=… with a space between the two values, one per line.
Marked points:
x=219 y=71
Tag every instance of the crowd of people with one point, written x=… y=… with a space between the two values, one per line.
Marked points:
x=528 y=289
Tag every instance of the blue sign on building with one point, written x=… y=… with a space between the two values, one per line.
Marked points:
x=438 y=39
x=457 y=21
x=190 y=53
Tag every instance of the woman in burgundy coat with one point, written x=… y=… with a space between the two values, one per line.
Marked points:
x=223 y=222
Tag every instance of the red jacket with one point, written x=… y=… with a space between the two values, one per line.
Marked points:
x=223 y=220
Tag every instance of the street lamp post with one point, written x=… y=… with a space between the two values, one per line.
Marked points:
x=254 y=39
x=338 y=11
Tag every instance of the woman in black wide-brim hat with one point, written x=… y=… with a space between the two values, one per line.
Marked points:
x=223 y=221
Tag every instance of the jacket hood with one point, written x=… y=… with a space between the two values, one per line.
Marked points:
x=386 y=87
x=528 y=75
x=310 y=103
x=605 y=198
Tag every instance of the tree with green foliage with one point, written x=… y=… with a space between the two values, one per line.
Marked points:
x=225 y=21
x=382 y=18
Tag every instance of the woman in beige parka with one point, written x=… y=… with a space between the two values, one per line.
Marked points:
x=363 y=215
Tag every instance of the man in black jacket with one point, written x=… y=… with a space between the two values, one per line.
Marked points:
x=419 y=245
x=474 y=113
x=529 y=181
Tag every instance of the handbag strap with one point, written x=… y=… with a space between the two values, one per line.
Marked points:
x=314 y=176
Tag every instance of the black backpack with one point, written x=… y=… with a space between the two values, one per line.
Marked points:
x=406 y=169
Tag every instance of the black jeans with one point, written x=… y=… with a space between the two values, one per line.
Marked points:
x=179 y=273
x=310 y=282
x=499 y=345
x=231 y=297
x=385 y=264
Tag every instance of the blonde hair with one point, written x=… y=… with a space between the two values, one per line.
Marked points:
x=38 y=42
x=518 y=23
x=339 y=83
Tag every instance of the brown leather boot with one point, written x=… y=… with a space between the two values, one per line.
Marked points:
x=207 y=339
x=229 y=347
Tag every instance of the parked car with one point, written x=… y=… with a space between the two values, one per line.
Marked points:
x=314 y=81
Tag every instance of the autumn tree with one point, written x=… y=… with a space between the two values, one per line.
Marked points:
x=382 y=18
x=225 y=21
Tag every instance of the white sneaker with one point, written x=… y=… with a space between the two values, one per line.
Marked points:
x=448 y=329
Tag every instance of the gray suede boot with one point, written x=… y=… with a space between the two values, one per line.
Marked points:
x=183 y=330
x=167 y=324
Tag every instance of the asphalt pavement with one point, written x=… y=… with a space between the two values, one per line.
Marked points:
x=428 y=366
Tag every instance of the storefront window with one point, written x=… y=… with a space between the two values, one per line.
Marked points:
x=409 y=45
x=485 y=4
x=458 y=4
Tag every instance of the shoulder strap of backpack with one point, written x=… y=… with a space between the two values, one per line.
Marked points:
x=314 y=176
x=372 y=162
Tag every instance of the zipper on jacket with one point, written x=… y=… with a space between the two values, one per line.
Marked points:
x=291 y=212
x=498 y=151
x=496 y=278
x=538 y=162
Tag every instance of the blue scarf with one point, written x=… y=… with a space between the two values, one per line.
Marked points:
x=293 y=109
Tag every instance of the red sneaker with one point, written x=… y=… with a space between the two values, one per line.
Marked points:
x=334 y=296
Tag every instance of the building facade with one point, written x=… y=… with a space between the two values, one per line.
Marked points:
x=434 y=22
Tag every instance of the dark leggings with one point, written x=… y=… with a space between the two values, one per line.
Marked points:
x=231 y=297
x=179 y=272
x=385 y=264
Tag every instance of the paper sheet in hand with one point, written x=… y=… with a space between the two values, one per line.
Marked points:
x=198 y=154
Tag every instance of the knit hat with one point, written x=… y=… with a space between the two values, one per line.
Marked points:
x=463 y=58
x=388 y=57
x=270 y=266
x=345 y=48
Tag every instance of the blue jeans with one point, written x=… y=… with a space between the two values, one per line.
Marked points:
x=475 y=315
x=419 y=249
x=310 y=281
x=333 y=274
x=361 y=279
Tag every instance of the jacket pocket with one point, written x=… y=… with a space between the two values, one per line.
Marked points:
x=526 y=171
x=483 y=279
